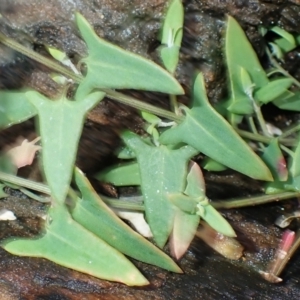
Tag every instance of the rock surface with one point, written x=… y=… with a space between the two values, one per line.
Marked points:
x=134 y=25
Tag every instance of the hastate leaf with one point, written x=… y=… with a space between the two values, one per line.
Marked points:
x=60 y=125
x=162 y=172
x=109 y=66
x=92 y=213
x=205 y=130
x=69 y=244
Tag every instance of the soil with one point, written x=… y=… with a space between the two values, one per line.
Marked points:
x=134 y=26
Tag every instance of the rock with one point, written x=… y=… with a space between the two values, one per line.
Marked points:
x=134 y=25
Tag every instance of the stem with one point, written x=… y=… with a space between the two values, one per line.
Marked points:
x=42 y=188
x=39 y=58
x=174 y=104
x=35 y=197
x=290 y=131
x=130 y=101
x=254 y=130
x=260 y=119
x=124 y=204
x=135 y=202
x=257 y=200
x=252 y=125
x=287 y=151
x=36 y=186
x=262 y=138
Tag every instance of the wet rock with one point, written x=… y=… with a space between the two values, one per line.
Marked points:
x=134 y=25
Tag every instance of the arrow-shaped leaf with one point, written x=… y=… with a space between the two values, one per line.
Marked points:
x=109 y=66
x=60 y=125
x=162 y=172
x=69 y=244
x=204 y=129
x=92 y=213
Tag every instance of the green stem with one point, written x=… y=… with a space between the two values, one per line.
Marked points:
x=130 y=101
x=36 y=186
x=135 y=202
x=290 y=131
x=174 y=104
x=254 y=130
x=287 y=150
x=39 y=58
x=124 y=204
x=263 y=139
x=257 y=200
x=42 y=188
x=252 y=125
x=260 y=119
x=35 y=197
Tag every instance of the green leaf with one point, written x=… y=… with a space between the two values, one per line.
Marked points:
x=284 y=45
x=184 y=229
x=295 y=164
x=276 y=50
x=14 y=108
x=69 y=244
x=109 y=66
x=171 y=35
x=169 y=57
x=162 y=172
x=289 y=101
x=205 y=130
x=184 y=203
x=274 y=159
x=124 y=153
x=273 y=90
x=94 y=215
x=122 y=174
x=212 y=165
x=240 y=54
x=195 y=181
x=217 y=222
x=287 y=41
x=247 y=82
x=243 y=106
x=7 y=165
x=56 y=53
x=196 y=188
x=150 y=118
x=60 y=125
x=2 y=193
